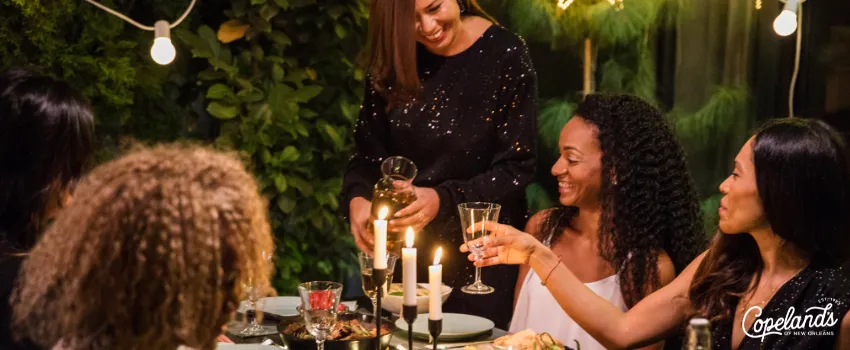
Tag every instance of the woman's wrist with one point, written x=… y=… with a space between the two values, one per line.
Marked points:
x=542 y=257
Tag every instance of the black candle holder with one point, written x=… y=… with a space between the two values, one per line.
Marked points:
x=379 y=276
x=435 y=327
x=408 y=312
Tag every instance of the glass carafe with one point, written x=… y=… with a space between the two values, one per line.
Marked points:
x=387 y=195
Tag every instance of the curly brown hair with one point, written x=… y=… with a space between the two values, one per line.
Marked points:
x=152 y=253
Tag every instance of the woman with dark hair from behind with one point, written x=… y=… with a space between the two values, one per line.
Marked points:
x=629 y=220
x=456 y=93
x=46 y=143
x=778 y=261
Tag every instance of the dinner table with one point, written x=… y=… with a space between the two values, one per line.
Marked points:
x=363 y=305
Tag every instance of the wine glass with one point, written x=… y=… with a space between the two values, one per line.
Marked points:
x=369 y=286
x=319 y=305
x=474 y=215
x=253 y=293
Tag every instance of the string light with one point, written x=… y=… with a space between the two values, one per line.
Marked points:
x=786 y=23
x=162 y=50
x=563 y=4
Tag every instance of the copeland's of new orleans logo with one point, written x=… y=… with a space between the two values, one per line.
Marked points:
x=815 y=320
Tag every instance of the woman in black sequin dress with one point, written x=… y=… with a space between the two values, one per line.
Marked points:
x=455 y=93
x=773 y=276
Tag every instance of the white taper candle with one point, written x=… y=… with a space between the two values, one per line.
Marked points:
x=380 y=250
x=435 y=295
x=408 y=260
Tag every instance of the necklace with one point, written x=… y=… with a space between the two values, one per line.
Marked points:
x=746 y=305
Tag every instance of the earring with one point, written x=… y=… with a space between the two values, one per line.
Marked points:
x=462 y=5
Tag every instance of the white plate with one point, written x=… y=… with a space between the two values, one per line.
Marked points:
x=393 y=303
x=455 y=326
x=283 y=306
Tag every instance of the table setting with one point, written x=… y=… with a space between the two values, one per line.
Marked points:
x=411 y=315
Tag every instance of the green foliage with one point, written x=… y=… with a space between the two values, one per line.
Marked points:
x=725 y=117
x=286 y=96
x=552 y=118
x=102 y=56
x=605 y=23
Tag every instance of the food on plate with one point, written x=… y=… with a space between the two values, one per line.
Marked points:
x=529 y=340
x=395 y=289
x=343 y=330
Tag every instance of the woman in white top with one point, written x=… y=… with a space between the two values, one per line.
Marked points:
x=630 y=218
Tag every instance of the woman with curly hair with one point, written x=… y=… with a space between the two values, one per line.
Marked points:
x=46 y=143
x=151 y=254
x=630 y=218
x=774 y=276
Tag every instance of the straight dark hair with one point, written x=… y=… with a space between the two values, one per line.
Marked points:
x=46 y=142
x=390 y=55
x=802 y=174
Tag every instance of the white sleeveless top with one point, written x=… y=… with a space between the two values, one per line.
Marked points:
x=537 y=309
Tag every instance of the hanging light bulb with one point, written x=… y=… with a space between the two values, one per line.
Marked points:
x=162 y=51
x=786 y=23
x=563 y=4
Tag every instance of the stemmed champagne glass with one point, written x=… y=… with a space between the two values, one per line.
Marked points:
x=254 y=293
x=369 y=286
x=319 y=305
x=474 y=215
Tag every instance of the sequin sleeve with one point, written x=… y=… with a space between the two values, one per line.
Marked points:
x=370 y=131
x=513 y=166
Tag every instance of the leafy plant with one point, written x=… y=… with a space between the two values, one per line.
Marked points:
x=281 y=82
x=102 y=56
x=621 y=33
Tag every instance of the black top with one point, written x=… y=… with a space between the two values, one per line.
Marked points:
x=472 y=135
x=816 y=288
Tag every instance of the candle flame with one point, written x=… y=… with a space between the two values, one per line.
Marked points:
x=437 y=255
x=409 y=237
x=382 y=215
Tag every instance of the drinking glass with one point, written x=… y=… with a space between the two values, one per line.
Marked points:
x=253 y=293
x=475 y=215
x=319 y=305
x=385 y=195
x=369 y=287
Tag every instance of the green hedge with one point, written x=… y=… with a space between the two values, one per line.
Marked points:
x=283 y=90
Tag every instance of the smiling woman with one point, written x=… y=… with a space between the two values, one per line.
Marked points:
x=457 y=94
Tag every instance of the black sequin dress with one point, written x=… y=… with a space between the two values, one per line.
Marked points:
x=812 y=289
x=472 y=135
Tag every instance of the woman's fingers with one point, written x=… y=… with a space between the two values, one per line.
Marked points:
x=409 y=210
x=488 y=262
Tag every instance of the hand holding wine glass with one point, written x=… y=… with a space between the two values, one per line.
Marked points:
x=474 y=218
x=505 y=246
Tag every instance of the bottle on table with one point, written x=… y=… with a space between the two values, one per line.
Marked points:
x=699 y=335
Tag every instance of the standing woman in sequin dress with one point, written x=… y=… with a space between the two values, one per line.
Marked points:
x=457 y=94
x=774 y=276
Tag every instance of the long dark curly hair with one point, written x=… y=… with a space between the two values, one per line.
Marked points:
x=152 y=253
x=652 y=207
x=802 y=169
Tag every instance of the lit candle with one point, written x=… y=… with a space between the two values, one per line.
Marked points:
x=435 y=288
x=380 y=253
x=408 y=269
